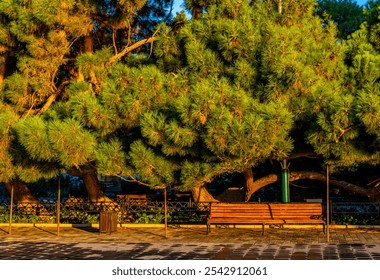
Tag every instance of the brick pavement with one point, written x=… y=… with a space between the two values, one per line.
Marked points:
x=189 y=243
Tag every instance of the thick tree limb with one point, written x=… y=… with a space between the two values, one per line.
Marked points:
x=260 y=183
x=309 y=175
x=252 y=187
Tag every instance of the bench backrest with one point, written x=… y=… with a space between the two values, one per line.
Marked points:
x=301 y=211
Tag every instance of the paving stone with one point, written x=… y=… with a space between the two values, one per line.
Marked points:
x=150 y=243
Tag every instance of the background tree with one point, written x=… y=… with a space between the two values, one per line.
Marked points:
x=48 y=45
x=347 y=131
x=346 y=14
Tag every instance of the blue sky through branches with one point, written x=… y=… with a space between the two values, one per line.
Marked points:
x=179 y=3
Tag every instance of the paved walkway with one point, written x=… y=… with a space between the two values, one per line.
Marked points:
x=189 y=243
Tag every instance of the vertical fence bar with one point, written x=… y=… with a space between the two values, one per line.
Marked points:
x=11 y=212
x=122 y=211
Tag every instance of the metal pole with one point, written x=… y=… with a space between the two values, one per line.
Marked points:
x=11 y=212
x=166 y=214
x=285 y=182
x=327 y=204
x=59 y=204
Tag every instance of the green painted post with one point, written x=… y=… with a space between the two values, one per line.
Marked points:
x=285 y=182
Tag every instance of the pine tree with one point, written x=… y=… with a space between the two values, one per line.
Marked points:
x=47 y=49
x=347 y=130
x=247 y=79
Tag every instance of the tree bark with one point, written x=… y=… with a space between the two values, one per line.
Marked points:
x=21 y=192
x=201 y=194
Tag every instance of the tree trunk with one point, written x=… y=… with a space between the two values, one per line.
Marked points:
x=3 y=68
x=92 y=184
x=89 y=44
x=21 y=192
x=88 y=47
x=93 y=187
x=248 y=176
x=24 y=198
x=201 y=194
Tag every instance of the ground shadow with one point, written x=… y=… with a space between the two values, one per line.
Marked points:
x=45 y=230
x=146 y=232
x=89 y=228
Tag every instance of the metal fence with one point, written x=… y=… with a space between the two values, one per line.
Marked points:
x=129 y=211
x=355 y=213
x=152 y=211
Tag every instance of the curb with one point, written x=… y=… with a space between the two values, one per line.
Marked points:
x=180 y=226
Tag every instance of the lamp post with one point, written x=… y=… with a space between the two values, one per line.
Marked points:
x=166 y=213
x=285 y=181
x=165 y=209
x=58 y=204
x=327 y=204
x=11 y=212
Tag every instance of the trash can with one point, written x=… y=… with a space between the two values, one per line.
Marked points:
x=108 y=221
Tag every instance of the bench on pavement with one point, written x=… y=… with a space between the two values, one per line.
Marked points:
x=265 y=214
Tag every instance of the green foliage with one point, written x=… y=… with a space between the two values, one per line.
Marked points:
x=152 y=216
x=355 y=219
x=68 y=216
x=111 y=158
x=241 y=83
x=153 y=168
x=63 y=141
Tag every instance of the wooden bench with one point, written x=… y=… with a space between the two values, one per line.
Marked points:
x=265 y=214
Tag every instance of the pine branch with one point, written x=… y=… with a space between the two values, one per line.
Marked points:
x=136 y=45
x=52 y=98
x=134 y=180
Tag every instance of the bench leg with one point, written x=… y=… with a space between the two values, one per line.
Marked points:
x=262 y=229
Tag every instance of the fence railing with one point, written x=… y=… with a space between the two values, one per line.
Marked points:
x=152 y=211
x=356 y=213
x=129 y=211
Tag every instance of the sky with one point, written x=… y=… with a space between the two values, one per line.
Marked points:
x=361 y=2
